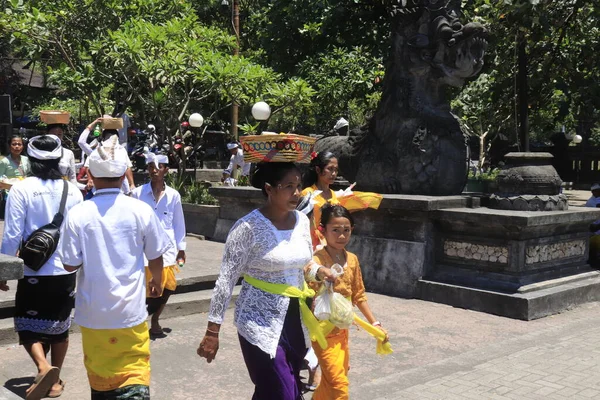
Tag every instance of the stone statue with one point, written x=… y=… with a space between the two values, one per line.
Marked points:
x=414 y=144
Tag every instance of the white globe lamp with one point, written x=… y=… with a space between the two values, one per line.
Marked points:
x=196 y=120
x=261 y=111
x=577 y=139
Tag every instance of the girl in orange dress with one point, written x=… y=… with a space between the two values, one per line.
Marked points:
x=336 y=226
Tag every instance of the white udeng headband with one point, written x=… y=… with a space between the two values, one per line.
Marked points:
x=156 y=159
x=109 y=160
x=34 y=152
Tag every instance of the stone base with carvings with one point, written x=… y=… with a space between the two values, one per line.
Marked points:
x=519 y=264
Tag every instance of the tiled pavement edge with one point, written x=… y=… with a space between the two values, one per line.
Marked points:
x=440 y=353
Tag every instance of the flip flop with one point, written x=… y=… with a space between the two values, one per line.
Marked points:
x=57 y=393
x=42 y=384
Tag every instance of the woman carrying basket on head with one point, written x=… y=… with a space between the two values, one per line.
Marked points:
x=271 y=248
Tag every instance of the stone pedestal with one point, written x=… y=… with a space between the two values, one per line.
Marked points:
x=10 y=268
x=517 y=264
x=528 y=182
x=395 y=244
x=234 y=202
x=447 y=249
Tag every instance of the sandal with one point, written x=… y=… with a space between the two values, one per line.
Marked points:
x=42 y=384
x=57 y=393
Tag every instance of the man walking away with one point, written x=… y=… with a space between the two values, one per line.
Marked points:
x=107 y=238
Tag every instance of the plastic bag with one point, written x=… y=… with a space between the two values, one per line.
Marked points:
x=323 y=304
x=332 y=306
x=342 y=313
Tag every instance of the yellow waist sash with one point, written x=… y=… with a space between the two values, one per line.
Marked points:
x=312 y=324
x=382 y=348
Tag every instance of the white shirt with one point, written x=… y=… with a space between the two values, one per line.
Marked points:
x=66 y=166
x=110 y=235
x=82 y=142
x=255 y=247
x=169 y=211
x=592 y=202
x=31 y=204
x=238 y=160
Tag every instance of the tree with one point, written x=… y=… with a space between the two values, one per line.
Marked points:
x=557 y=43
x=157 y=65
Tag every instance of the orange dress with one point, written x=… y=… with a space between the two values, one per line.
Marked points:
x=335 y=359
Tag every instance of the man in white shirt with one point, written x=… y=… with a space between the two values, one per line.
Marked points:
x=44 y=297
x=166 y=203
x=594 y=200
x=107 y=238
x=237 y=160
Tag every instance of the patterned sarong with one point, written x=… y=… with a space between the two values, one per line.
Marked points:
x=115 y=358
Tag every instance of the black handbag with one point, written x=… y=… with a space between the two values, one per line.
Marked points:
x=42 y=243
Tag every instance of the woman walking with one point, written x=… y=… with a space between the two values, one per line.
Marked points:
x=317 y=182
x=271 y=248
x=44 y=298
x=15 y=165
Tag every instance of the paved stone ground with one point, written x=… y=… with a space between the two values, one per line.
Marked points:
x=440 y=353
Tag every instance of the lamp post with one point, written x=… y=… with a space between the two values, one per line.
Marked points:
x=573 y=138
x=196 y=121
x=235 y=20
x=261 y=111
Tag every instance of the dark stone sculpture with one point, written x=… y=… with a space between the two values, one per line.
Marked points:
x=414 y=144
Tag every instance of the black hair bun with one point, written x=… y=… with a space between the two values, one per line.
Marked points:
x=258 y=178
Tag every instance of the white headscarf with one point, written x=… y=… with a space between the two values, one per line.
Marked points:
x=109 y=160
x=34 y=152
x=156 y=159
x=341 y=123
x=231 y=146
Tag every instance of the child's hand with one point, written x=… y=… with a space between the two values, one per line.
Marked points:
x=387 y=337
x=155 y=288
x=325 y=274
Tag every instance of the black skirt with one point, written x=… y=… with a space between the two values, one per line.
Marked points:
x=43 y=307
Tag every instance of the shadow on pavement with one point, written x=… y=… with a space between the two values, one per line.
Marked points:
x=19 y=385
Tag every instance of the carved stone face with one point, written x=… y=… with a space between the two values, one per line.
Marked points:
x=437 y=42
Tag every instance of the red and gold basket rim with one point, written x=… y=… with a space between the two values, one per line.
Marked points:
x=277 y=148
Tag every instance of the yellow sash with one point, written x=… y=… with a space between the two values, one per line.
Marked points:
x=382 y=348
x=312 y=324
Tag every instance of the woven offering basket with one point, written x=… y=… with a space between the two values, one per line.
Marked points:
x=112 y=123
x=55 y=117
x=277 y=148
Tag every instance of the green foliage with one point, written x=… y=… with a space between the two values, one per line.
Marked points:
x=342 y=77
x=490 y=175
x=249 y=129
x=562 y=41
x=197 y=193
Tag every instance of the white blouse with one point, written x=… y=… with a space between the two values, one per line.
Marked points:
x=255 y=247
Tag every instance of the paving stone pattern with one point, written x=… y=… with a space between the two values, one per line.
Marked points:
x=441 y=352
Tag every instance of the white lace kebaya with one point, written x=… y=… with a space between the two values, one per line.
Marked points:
x=256 y=248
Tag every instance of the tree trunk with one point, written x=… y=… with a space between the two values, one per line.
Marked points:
x=523 y=95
